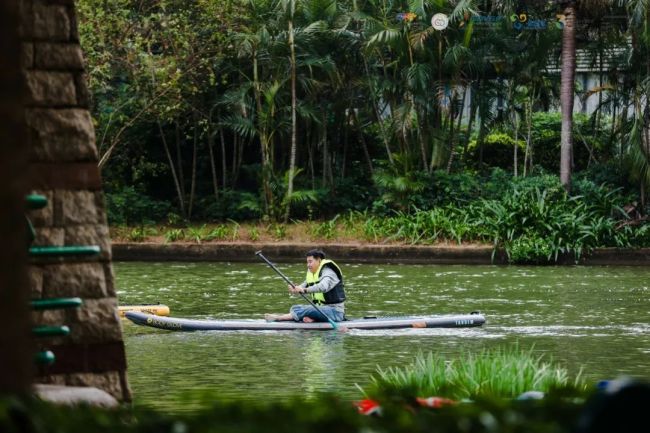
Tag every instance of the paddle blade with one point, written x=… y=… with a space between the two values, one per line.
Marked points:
x=337 y=327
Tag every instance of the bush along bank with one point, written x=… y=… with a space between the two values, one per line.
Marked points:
x=533 y=220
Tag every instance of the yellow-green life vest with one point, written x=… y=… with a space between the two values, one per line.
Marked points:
x=337 y=294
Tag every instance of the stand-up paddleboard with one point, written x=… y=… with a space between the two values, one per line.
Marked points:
x=155 y=309
x=178 y=324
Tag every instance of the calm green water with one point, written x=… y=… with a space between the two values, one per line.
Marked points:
x=592 y=318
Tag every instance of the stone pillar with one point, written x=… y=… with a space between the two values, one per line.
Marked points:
x=63 y=167
x=15 y=340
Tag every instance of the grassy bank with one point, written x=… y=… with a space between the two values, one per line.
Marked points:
x=333 y=231
x=525 y=236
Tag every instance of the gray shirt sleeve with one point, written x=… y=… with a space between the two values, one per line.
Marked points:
x=328 y=280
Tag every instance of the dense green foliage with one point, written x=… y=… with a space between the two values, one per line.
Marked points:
x=504 y=373
x=558 y=413
x=531 y=219
x=308 y=108
x=129 y=207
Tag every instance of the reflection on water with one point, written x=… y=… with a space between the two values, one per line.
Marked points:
x=596 y=319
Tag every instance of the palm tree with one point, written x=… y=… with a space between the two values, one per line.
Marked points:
x=311 y=36
x=567 y=91
x=416 y=72
x=289 y=9
x=638 y=138
x=255 y=44
x=572 y=9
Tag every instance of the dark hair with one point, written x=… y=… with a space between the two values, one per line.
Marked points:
x=315 y=253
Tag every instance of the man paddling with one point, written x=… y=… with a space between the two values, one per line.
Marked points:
x=324 y=282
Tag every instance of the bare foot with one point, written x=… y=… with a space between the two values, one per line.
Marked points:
x=308 y=320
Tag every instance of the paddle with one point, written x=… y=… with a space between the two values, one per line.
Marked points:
x=261 y=256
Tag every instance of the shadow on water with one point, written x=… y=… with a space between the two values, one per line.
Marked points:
x=592 y=318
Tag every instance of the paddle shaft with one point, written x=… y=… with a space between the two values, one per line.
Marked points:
x=272 y=266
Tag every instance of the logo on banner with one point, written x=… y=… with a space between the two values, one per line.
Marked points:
x=439 y=21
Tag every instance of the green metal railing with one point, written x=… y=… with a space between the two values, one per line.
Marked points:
x=71 y=250
x=50 y=331
x=55 y=303
x=36 y=201
x=46 y=357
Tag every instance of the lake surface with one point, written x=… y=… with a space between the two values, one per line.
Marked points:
x=590 y=319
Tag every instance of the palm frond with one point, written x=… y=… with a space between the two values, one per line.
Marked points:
x=384 y=37
x=419 y=76
x=463 y=8
x=417 y=39
x=244 y=127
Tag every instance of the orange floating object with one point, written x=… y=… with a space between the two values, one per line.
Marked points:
x=368 y=407
x=156 y=309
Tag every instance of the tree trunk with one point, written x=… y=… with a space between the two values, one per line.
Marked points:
x=458 y=126
x=235 y=157
x=310 y=154
x=472 y=114
x=515 y=158
x=213 y=167
x=346 y=132
x=438 y=118
x=264 y=144
x=528 y=158
x=179 y=192
x=642 y=194
x=193 y=174
x=294 y=125
x=481 y=138
x=459 y=123
x=382 y=128
x=612 y=129
x=224 y=170
x=235 y=150
x=327 y=161
x=364 y=146
x=601 y=72
x=240 y=160
x=567 y=86
x=421 y=132
x=179 y=160
x=238 y=146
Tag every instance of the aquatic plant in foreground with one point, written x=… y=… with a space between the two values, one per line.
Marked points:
x=501 y=372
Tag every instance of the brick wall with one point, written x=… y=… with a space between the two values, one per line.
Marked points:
x=63 y=167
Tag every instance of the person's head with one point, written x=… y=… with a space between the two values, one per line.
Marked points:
x=313 y=259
